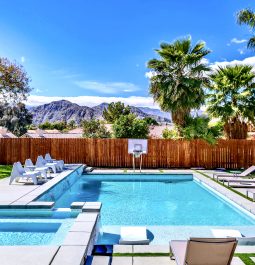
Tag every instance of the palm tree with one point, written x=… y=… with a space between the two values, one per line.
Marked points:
x=247 y=17
x=177 y=79
x=232 y=98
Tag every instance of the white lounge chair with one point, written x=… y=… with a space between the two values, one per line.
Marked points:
x=60 y=163
x=40 y=162
x=133 y=235
x=18 y=172
x=201 y=251
x=226 y=175
x=242 y=240
x=30 y=167
x=238 y=182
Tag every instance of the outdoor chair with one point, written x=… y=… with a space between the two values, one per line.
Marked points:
x=18 y=172
x=60 y=163
x=241 y=239
x=30 y=167
x=41 y=162
x=245 y=173
x=203 y=251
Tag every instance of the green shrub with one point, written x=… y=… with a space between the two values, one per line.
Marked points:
x=196 y=128
x=95 y=129
x=129 y=126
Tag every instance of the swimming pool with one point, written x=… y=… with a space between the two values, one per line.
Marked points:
x=159 y=201
x=33 y=227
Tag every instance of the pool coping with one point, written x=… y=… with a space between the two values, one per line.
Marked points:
x=75 y=247
x=227 y=194
x=26 y=201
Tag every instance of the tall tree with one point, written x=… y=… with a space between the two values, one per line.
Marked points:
x=15 y=118
x=247 y=17
x=114 y=111
x=232 y=98
x=14 y=89
x=129 y=126
x=14 y=82
x=95 y=129
x=178 y=76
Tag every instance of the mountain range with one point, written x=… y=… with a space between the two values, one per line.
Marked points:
x=64 y=110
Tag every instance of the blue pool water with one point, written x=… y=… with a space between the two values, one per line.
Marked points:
x=32 y=228
x=153 y=200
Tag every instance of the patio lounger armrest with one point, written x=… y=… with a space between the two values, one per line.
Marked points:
x=178 y=250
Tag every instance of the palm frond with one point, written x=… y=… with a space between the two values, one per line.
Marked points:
x=247 y=17
x=251 y=43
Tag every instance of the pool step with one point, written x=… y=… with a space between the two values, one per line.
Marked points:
x=101 y=260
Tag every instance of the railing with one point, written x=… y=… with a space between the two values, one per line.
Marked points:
x=114 y=152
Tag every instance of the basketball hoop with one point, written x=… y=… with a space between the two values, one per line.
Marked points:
x=137 y=147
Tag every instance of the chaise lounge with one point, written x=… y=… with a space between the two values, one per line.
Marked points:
x=201 y=251
x=245 y=173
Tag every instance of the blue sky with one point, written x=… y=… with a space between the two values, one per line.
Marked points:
x=91 y=51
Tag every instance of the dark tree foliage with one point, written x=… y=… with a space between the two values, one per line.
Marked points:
x=95 y=129
x=15 y=118
x=114 y=111
x=14 y=89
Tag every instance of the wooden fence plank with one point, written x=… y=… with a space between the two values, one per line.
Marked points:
x=113 y=152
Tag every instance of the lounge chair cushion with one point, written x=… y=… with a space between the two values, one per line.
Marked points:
x=133 y=235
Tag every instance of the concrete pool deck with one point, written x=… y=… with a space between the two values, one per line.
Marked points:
x=21 y=194
x=149 y=260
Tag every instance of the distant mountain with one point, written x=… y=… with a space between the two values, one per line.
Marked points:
x=156 y=112
x=64 y=110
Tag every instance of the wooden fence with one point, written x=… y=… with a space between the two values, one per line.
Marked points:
x=113 y=152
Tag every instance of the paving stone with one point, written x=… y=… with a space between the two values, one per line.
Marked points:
x=100 y=260
x=77 y=239
x=151 y=249
x=82 y=227
x=70 y=255
x=92 y=207
x=122 y=249
x=77 y=205
x=245 y=249
x=27 y=255
x=87 y=217
x=153 y=261
x=236 y=261
x=44 y=205
x=122 y=261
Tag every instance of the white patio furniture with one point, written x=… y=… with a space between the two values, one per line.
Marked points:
x=242 y=240
x=29 y=166
x=60 y=163
x=18 y=172
x=227 y=175
x=41 y=162
x=133 y=235
x=252 y=192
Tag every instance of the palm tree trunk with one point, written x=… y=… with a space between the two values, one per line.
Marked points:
x=179 y=117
